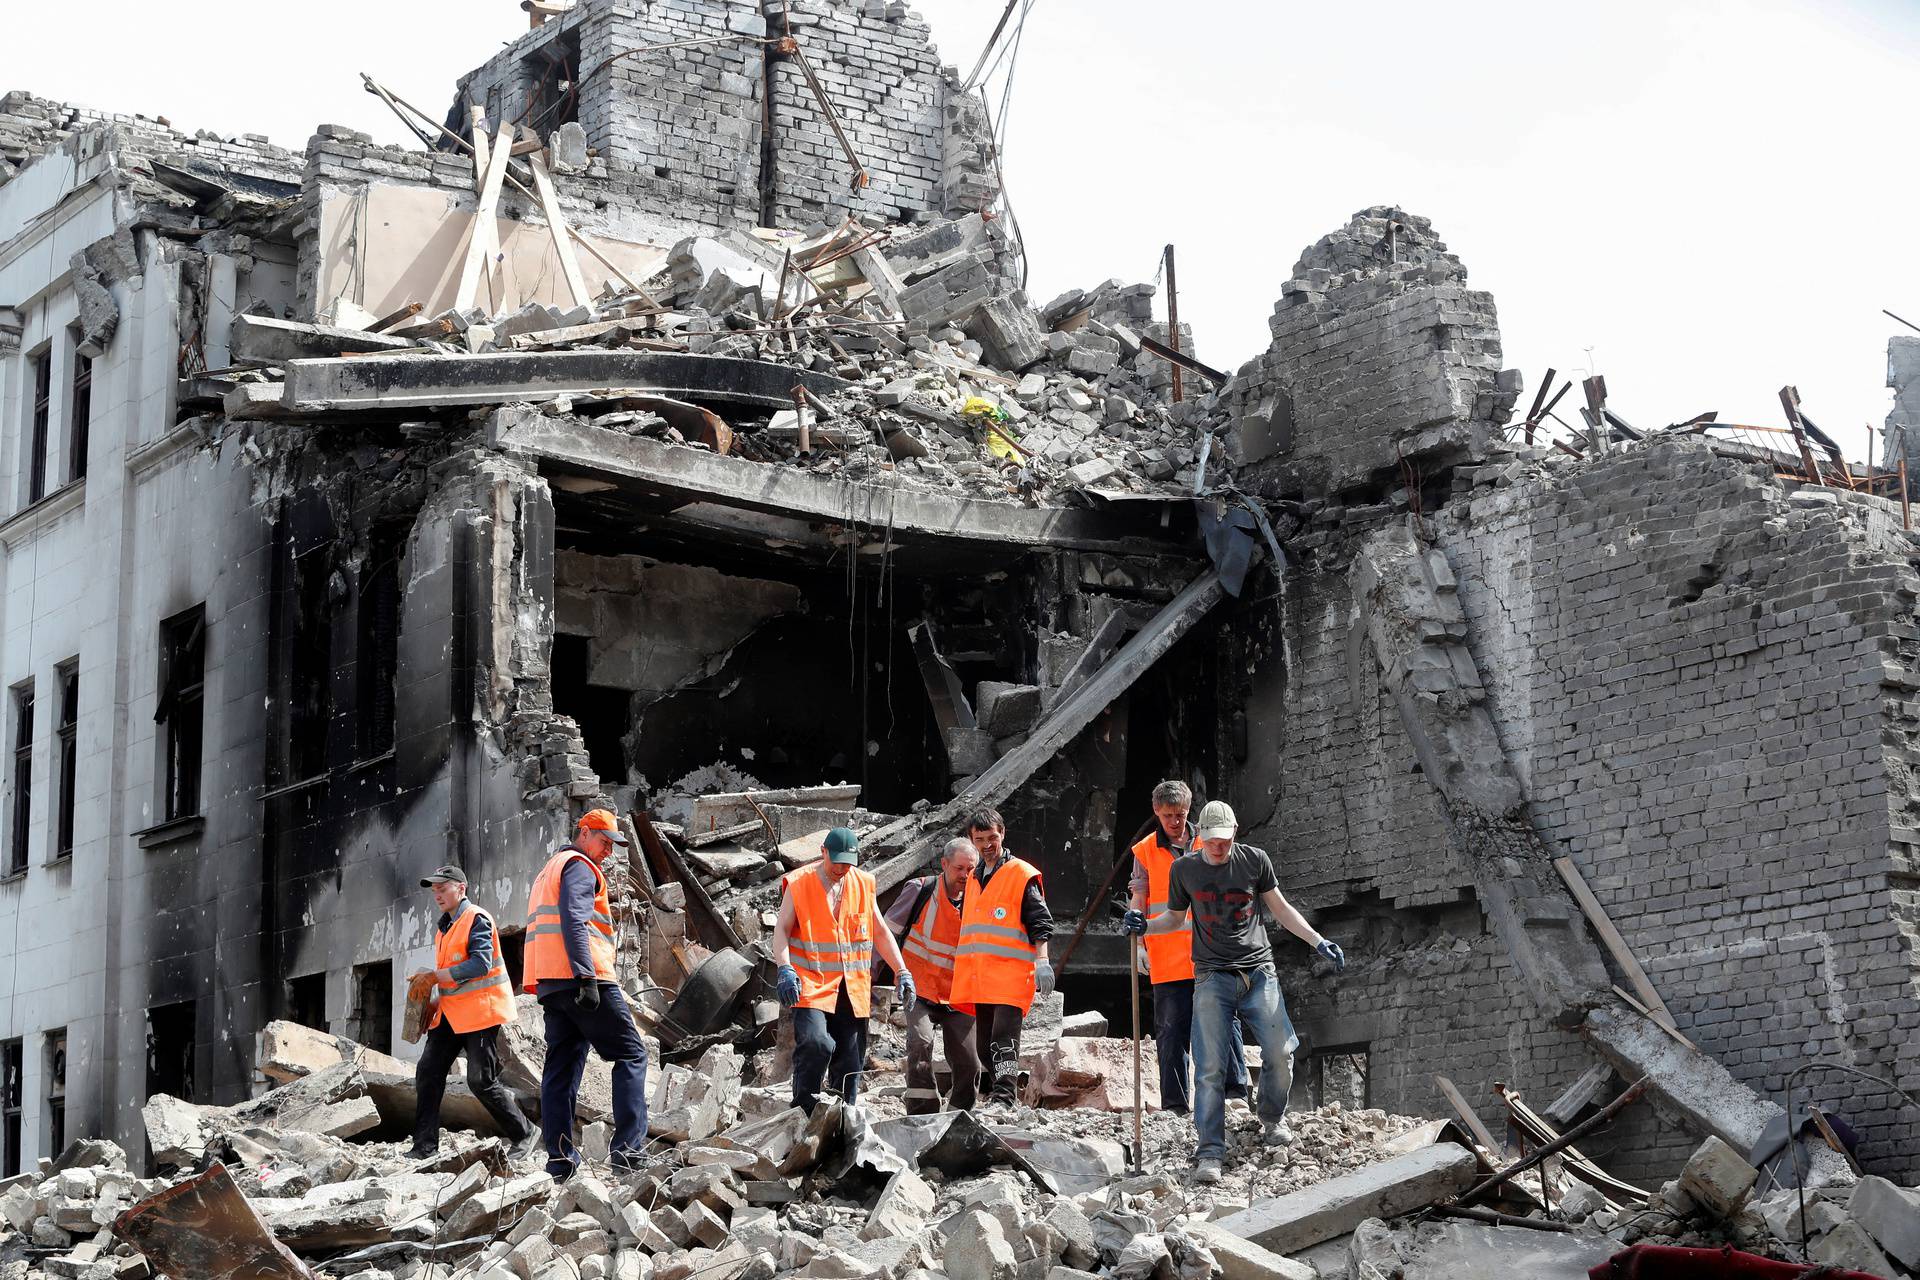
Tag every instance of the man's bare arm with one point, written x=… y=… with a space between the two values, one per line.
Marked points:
x=1290 y=918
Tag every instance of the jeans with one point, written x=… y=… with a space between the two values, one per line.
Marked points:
x=1254 y=994
x=829 y=1047
x=956 y=1031
x=1173 y=1034
x=609 y=1032
x=997 y=1040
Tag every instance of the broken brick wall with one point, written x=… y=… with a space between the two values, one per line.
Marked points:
x=1707 y=685
x=1380 y=350
x=688 y=123
x=1903 y=420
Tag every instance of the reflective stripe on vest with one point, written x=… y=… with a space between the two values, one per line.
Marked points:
x=546 y=956
x=993 y=962
x=931 y=946
x=476 y=1003
x=1169 y=954
x=828 y=947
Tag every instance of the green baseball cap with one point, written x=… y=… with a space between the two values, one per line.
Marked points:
x=842 y=846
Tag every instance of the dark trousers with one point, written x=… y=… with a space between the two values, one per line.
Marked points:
x=1173 y=1039
x=443 y=1045
x=956 y=1032
x=829 y=1048
x=609 y=1032
x=997 y=1035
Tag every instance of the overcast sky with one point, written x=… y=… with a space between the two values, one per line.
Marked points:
x=1701 y=200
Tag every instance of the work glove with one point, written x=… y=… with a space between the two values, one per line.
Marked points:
x=1135 y=923
x=1330 y=949
x=788 y=986
x=903 y=989
x=1043 y=978
x=587 y=996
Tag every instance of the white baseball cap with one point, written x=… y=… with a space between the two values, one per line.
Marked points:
x=1217 y=821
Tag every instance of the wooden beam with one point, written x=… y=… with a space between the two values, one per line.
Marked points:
x=1615 y=944
x=1481 y=1134
x=557 y=228
x=484 y=227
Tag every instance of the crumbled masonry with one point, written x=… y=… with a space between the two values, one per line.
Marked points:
x=725 y=475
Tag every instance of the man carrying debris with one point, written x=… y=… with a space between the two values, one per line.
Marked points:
x=829 y=927
x=569 y=966
x=1001 y=962
x=476 y=1000
x=1170 y=954
x=1233 y=972
x=926 y=916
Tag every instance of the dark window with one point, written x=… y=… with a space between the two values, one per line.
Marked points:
x=79 y=410
x=170 y=1032
x=512 y=945
x=56 y=1091
x=373 y=1005
x=552 y=88
x=307 y=1000
x=66 y=679
x=22 y=778
x=309 y=694
x=37 y=437
x=183 y=670
x=601 y=712
x=1336 y=1074
x=378 y=645
x=13 y=1088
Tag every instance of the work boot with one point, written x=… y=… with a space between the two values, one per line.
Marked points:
x=423 y=1151
x=1275 y=1133
x=525 y=1147
x=1206 y=1172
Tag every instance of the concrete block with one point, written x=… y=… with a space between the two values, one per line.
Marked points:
x=1003 y=710
x=1242 y=1259
x=902 y=1210
x=1335 y=1207
x=1891 y=1215
x=969 y=751
x=1849 y=1246
x=977 y=1248
x=1718 y=1178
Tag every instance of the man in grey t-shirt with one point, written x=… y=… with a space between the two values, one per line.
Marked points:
x=1223 y=889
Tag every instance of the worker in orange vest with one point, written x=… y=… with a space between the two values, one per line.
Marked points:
x=1170 y=954
x=1001 y=962
x=926 y=918
x=569 y=966
x=475 y=1001
x=828 y=929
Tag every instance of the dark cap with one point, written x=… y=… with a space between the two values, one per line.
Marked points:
x=443 y=875
x=842 y=846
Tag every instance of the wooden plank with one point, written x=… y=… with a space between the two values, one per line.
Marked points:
x=1615 y=944
x=1576 y=1097
x=482 y=152
x=1481 y=1134
x=484 y=228
x=557 y=228
x=1572 y=1158
x=697 y=896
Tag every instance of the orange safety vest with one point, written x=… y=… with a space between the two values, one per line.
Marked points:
x=477 y=1003
x=828 y=947
x=1170 y=954
x=994 y=962
x=545 y=955
x=930 y=945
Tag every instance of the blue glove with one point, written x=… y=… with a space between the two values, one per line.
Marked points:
x=1331 y=950
x=788 y=985
x=903 y=989
x=1135 y=923
x=1043 y=978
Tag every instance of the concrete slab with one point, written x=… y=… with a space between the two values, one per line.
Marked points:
x=264 y=340
x=379 y=383
x=1472 y=1251
x=1384 y=1190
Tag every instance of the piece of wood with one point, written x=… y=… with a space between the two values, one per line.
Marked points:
x=1573 y=1160
x=482 y=155
x=387 y=322
x=1628 y=999
x=484 y=227
x=697 y=896
x=1615 y=944
x=1833 y=1139
x=1481 y=1134
x=1575 y=1098
x=557 y=228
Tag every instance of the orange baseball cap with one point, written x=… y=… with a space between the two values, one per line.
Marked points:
x=603 y=820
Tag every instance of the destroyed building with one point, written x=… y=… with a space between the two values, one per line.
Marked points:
x=349 y=534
